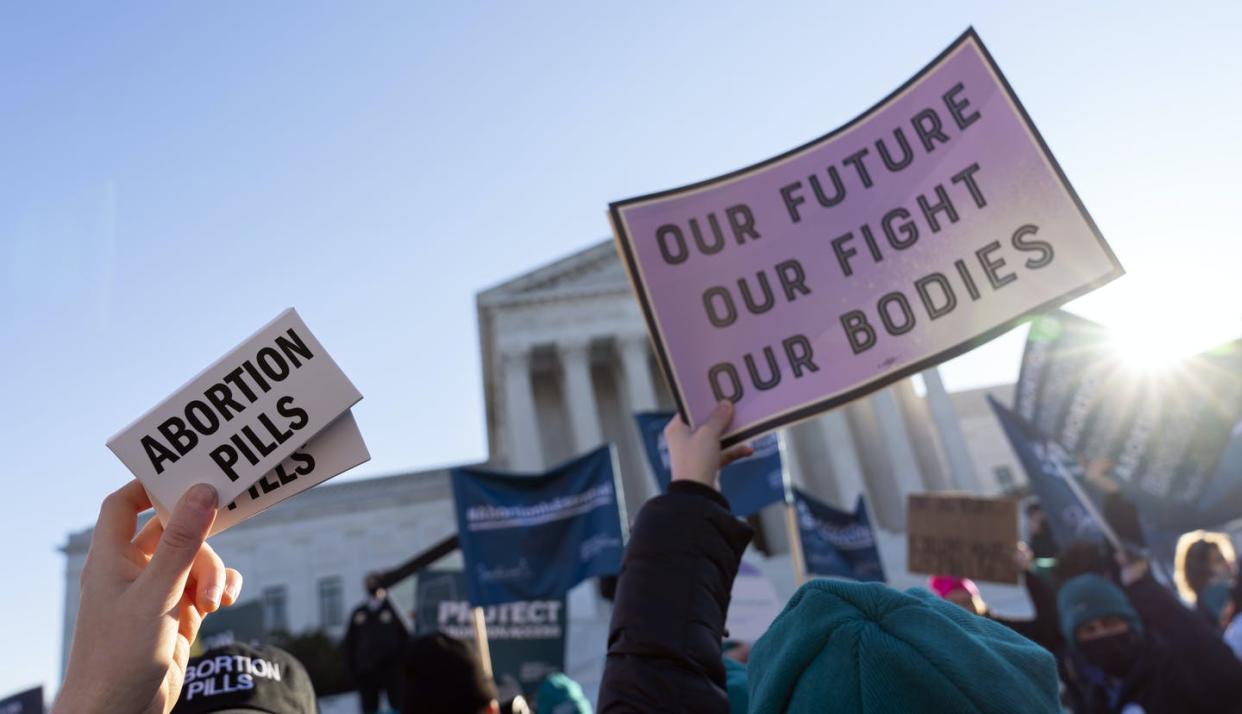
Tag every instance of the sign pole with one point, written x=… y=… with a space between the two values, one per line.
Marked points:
x=795 y=543
x=796 y=556
x=480 y=640
x=1087 y=503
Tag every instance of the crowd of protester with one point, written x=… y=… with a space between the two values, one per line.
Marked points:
x=1106 y=635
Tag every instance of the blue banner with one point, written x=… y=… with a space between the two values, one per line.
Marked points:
x=836 y=543
x=748 y=484
x=1047 y=465
x=535 y=536
x=27 y=702
x=525 y=639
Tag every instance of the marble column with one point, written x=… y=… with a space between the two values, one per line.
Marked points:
x=847 y=471
x=961 y=466
x=640 y=395
x=580 y=395
x=524 y=448
x=898 y=448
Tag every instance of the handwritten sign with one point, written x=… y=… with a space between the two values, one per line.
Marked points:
x=930 y=224
x=965 y=536
x=239 y=418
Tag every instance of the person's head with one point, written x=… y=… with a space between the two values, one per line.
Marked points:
x=558 y=694
x=373 y=584
x=1202 y=558
x=1081 y=557
x=865 y=647
x=444 y=675
x=960 y=591
x=1098 y=621
x=241 y=678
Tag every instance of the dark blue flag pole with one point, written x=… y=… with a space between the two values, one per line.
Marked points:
x=1071 y=512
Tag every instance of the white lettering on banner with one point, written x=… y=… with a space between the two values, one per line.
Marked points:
x=501 y=574
x=595 y=545
x=852 y=537
x=523 y=620
x=486 y=518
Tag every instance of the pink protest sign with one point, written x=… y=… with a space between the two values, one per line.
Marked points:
x=930 y=224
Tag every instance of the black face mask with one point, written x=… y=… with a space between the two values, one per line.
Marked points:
x=1114 y=654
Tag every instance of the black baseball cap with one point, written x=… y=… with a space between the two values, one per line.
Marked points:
x=241 y=678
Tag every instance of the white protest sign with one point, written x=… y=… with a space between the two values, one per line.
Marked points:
x=333 y=451
x=239 y=418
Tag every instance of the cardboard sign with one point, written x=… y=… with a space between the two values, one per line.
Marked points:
x=239 y=418
x=932 y=223
x=333 y=451
x=964 y=536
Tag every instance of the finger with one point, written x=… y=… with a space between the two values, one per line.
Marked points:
x=149 y=537
x=740 y=451
x=232 y=587
x=719 y=418
x=165 y=577
x=118 y=515
x=207 y=572
x=675 y=427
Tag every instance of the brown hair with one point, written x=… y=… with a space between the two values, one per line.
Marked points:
x=1191 y=569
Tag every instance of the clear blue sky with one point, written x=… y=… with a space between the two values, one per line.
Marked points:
x=172 y=175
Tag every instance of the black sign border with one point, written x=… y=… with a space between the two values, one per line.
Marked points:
x=626 y=250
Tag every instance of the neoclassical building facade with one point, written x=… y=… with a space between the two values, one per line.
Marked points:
x=566 y=363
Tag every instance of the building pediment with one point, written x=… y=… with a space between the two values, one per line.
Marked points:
x=594 y=270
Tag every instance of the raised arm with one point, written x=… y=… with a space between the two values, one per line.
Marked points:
x=673 y=592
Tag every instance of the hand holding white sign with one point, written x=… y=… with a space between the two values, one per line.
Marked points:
x=136 y=619
x=240 y=418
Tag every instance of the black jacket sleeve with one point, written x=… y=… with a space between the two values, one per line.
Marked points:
x=1198 y=652
x=1043 y=630
x=669 y=612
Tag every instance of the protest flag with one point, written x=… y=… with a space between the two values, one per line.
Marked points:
x=837 y=543
x=1053 y=472
x=1170 y=437
x=748 y=484
x=29 y=701
x=533 y=536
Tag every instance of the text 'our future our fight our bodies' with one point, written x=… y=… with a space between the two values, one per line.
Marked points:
x=934 y=221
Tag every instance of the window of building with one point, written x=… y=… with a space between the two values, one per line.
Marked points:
x=1004 y=477
x=276 y=608
x=331 y=602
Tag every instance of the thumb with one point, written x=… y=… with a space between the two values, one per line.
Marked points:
x=719 y=418
x=165 y=576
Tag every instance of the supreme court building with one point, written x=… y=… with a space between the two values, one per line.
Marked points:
x=566 y=363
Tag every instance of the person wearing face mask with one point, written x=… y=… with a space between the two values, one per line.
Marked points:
x=1140 y=648
x=374 y=645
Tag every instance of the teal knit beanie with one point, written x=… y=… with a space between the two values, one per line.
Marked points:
x=736 y=686
x=863 y=647
x=558 y=694
x=1089 y=597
